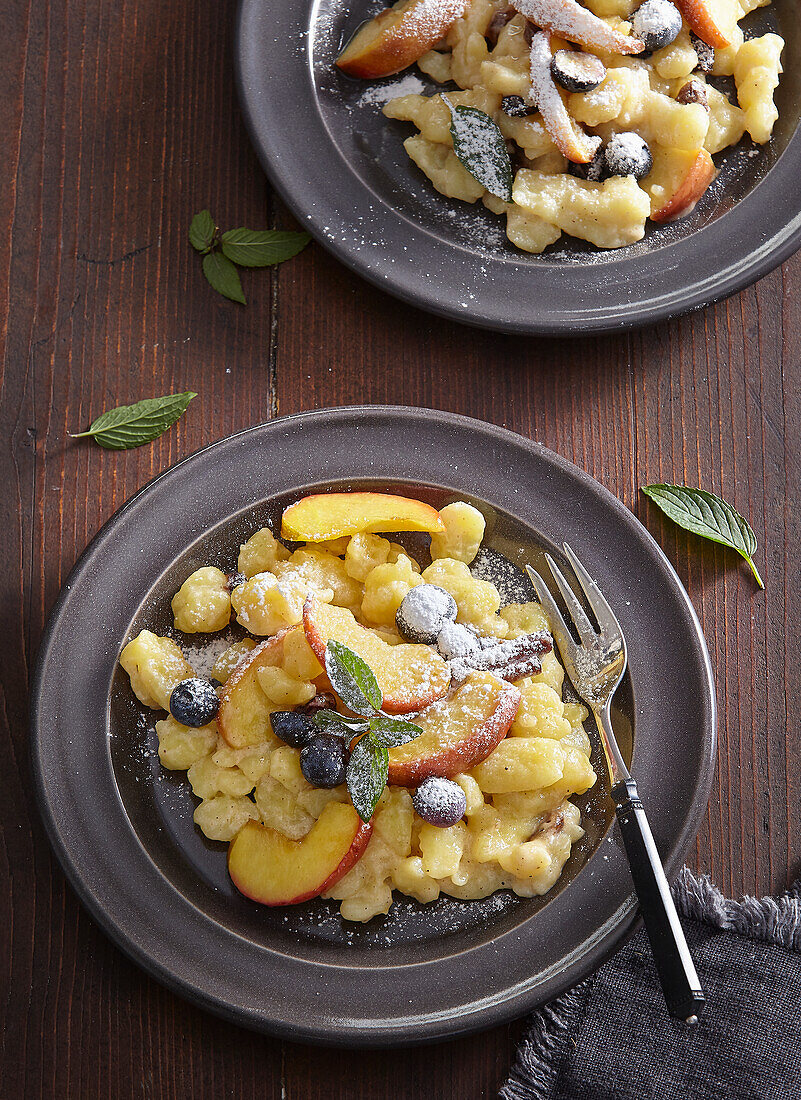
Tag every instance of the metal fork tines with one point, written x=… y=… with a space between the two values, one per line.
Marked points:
x=596 y=665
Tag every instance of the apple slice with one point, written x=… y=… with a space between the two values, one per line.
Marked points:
x=270 y=868
x=458 y=732
x=677 y=181
x=714 y=21
x=570 y=20
x=564 y=131
x=398 y=36
x=243 y=717
x=324 y=516
x=410 y=676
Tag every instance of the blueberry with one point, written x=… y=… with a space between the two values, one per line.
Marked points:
x=323 y=700
x=577 y=71
x=594 y=170
x=455 y=640
x=657 y=23
x=194 y=702
x=293 y=727
x=423 y=612
x=516 y=107
x=628 y=154
x=324 y=761
x=440 y=802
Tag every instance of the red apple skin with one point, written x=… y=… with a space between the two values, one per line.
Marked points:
x=403 y=39
x=318 y=641
x=689 y=191
x=702 y=21
x=354 y=854
x=361 y=838
x=461 y=755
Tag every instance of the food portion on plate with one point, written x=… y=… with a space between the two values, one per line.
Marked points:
x=583 y=118
x=376 y=725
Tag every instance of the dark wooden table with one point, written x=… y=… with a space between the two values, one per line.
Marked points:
x=119 y=122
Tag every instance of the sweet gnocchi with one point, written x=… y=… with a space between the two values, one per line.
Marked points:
x=568 y=86
x=528 y=752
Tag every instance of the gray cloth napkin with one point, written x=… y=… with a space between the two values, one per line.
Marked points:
x=610 y=1038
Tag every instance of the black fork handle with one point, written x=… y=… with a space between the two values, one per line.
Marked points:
x=678 y=978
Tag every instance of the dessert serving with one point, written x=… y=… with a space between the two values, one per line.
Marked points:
x=370 y=723
x=569 y=117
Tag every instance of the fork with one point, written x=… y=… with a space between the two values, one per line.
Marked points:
x=596 y=668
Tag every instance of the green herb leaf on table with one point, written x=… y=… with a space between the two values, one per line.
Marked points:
x=352 y=679
x=262 y=247
x=242 y=246
x=709 y=516
x=223 y=276
x=201 y=231
x=129 y=426
x=481 y=147
x=394 y=731
x=368 y=769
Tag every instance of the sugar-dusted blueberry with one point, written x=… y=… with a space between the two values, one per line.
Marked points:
x=627 y=154
x=323 y=700
x=455 y=641
x=293 y=727
x=194 y=702
x=235 y=579
x=423 y=612
x=577 y=71
x=516 y=107
x=324 y=761
x=657 y=23
x=594 y=170
x=440 y=802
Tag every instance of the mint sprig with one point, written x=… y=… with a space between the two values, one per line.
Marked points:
x=221 y=252
x=709 y=516
x=368 y=768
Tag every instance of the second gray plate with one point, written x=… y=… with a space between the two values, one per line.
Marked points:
x=341 y=168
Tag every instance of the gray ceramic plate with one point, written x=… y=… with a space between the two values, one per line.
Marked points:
x=122 y=827
x=341 y=168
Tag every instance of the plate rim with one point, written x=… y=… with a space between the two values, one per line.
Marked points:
x=758 y=252
x=619 y=927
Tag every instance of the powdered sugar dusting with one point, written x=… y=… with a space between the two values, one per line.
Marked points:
x=379 y=94
x=577 y=24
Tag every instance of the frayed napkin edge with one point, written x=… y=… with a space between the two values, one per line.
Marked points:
x=772 y=920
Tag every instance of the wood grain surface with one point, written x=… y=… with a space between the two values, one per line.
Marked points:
x=119 y=122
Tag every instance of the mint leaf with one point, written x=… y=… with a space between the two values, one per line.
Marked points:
x=331 y=721
x=262 y=247
x=481 y=147
x=394 y=731
x=201 y=231
x=352 y=679
x=368 y=769
x=223 y=276
x=707 y=515
x=133 y=425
